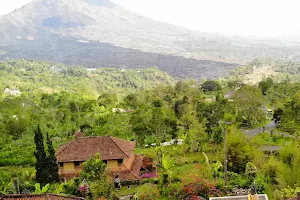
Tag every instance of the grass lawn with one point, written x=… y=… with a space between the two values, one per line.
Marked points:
x=176 y=154
x=193 y=163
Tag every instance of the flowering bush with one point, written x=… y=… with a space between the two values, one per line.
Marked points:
x=83 y=188
x=149 y=175
x=199 y=187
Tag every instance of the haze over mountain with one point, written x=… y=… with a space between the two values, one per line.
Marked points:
x=100 y=33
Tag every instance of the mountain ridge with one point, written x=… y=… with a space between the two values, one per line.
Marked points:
x=30 y=31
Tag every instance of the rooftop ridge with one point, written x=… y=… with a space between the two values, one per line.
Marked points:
x=64 y=147
x=135 y=175
x=120 y=148
x=93 y=136
x=113 y=139
x=68 y=144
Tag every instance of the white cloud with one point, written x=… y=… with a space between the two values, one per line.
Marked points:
x=244 y=17
x=7 y=6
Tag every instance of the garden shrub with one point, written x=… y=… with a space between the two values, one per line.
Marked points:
x=176 y=191
x=149 y=180
x=271 y=169
x=147 y=191
x=288 y=193
x=71 y=187
x=236 y=180
x=200 y=187
x=101 y=189
x=262 y=185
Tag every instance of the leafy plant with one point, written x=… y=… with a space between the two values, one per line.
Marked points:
x=167 y=166
x=39 y=190
x=100 y=183
x=206 y=160
x=251 y=170
x=217 y=169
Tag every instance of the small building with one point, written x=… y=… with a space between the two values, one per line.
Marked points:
x=243 y=197
x=120 y=110
x=12 y=92
x=117 y=154
x=45 y=196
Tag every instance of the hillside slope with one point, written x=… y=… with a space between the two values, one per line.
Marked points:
x=101 y=33
x=260 y=69
x=47 y=77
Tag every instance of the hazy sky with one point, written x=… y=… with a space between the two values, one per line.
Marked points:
x=6 y=6
x=244 y=17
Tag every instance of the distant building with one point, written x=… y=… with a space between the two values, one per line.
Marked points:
x=243 y=197
x=120 y=110
x=91 y=69
x=116 y=153
x=12 y=92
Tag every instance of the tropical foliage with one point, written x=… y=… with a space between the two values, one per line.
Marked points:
x=145 y=106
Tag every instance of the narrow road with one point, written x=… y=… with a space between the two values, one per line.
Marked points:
x=267 y=128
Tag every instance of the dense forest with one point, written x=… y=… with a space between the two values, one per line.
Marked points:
x=40 y=77
x=63 y=100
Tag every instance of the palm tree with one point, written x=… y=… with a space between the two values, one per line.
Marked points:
x=185 y=142
x=166 y=166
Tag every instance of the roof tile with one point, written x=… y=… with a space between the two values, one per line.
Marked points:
x=83 y=148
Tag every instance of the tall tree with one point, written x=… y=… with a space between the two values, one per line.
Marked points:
x=209 y=86
x=52 y=164
x=41 y=158
x=249 y=101
x=265 y=85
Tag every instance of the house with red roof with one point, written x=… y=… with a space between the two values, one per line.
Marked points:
x=116 y=153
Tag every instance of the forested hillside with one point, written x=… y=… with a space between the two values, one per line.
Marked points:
x=64 y=100
x=259 y=69
x=37 y=77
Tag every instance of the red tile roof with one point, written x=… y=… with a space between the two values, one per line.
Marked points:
x=38 y=197
x=137 y=164
x=126 y=146
x=83 y=148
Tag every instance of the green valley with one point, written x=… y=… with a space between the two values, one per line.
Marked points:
x=147 y=106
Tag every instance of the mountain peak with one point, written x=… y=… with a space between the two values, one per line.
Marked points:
x=62 y=13
x=103 y=3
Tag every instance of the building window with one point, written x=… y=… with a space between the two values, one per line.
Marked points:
x=77 y=164
x=61 y=164
x=120 y=161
